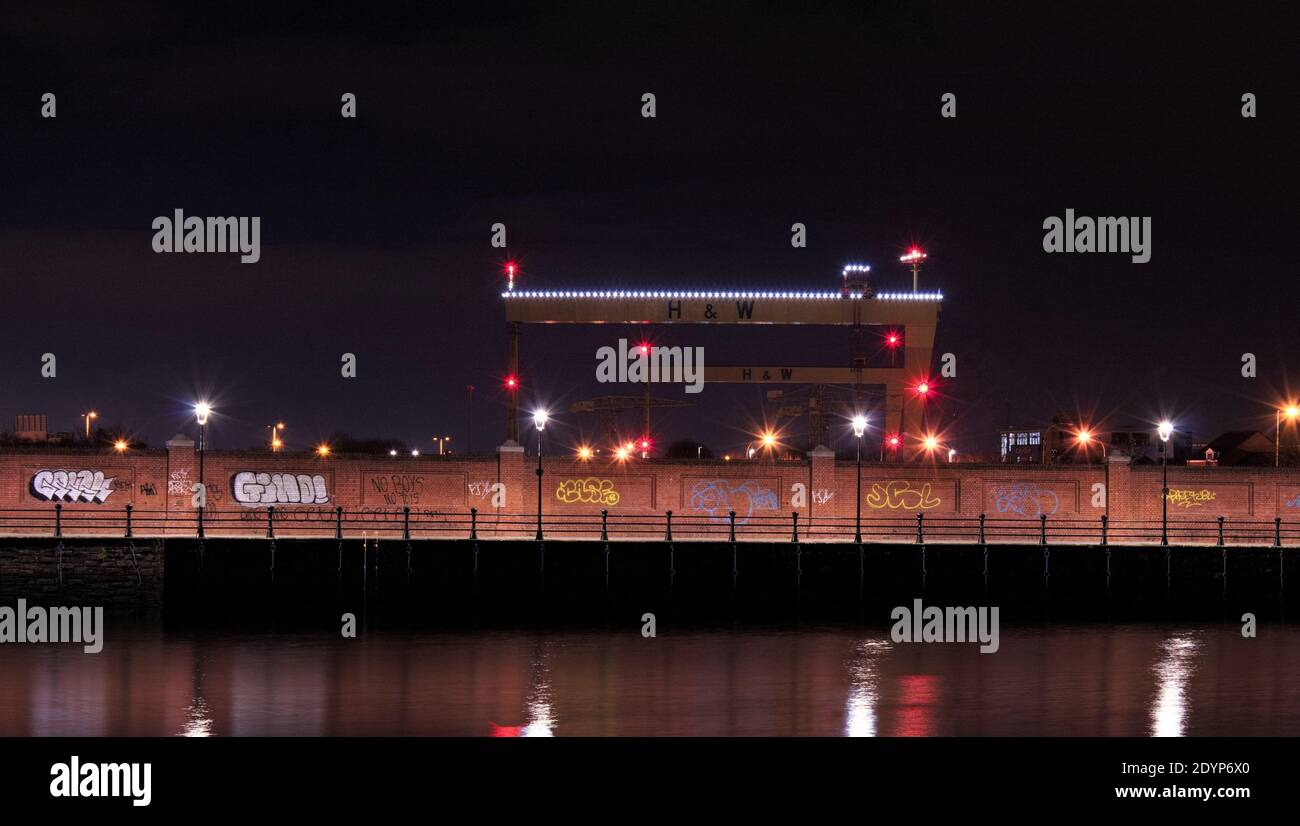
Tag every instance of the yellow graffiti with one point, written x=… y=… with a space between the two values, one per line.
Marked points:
x=1190 y=498
x=901 y=494
x=597 y=491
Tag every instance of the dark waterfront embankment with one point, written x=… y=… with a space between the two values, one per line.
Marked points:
x=231 y=582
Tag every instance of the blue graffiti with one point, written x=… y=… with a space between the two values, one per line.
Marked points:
x=717 y=498
x=1026 y=499
x=1293 y=502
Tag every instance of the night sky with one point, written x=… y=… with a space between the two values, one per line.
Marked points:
x=376 y=230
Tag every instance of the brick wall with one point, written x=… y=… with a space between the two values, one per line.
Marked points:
x=94 y=489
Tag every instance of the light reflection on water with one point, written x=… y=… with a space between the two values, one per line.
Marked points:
x=1173 y=671
x=1081 y=680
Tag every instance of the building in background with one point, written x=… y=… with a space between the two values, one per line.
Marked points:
x=33 y=428
x=1058 y=443
x=1244 y=448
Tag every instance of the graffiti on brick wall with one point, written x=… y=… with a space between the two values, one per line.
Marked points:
x=590 y=490
x=73 y=486
x=1293 y=502
x=1185 y=498
x=254 y=489
x=1026 y=499
x=398 y=488
x=178 y=483
x=901 y=493
x=718 y=497
x=480 y=489
x=821 y=496
x=147 y=489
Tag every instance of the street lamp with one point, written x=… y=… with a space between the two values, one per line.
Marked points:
x=275 y=429
x=859 y=427
x=120 y=445
x=922 y=390
x=201 y=413
x=441 y=440
x=1291 y=412
x=539 y=421
x=1084 y=438
x=1166 y=429
x=88 y=416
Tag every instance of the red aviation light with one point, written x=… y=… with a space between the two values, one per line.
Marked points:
x=512 y=383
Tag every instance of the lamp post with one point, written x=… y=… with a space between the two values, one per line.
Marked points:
x=1165 y=430
x=441 y=440
x=276 y=442
x=88 y=416
x=201 y=411
x=1291 y=412
x=859 y=427
x=1085 y=438
x=539 y=420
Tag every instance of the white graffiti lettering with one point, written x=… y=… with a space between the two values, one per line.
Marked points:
x=253 y=489
x=72 y=486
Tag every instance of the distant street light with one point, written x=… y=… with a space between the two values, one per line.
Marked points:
x=1166 y=429
x=322 y=450
x=88 y=416
x=1084 y=438
x=120 y=445
x=275 y=429
x=1291 y=412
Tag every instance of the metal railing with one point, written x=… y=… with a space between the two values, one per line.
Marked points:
x=407 y=523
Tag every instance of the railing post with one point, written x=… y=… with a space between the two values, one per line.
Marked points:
x=473 y=523
x=338 y=522
x=128 y=521
x=1042 y=529
x=982 y=529
x=1105 y=523
x=1277 y=532
x=604 y=526
x=920 y=528
x=668 y=534
x=406 y=522
x=794 y=534
x=270 y=521
x=732 y=521
x=201 y=518
x=58 y=521
x=1220 y=531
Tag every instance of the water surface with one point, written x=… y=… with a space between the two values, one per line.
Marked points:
x=1085 y=680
